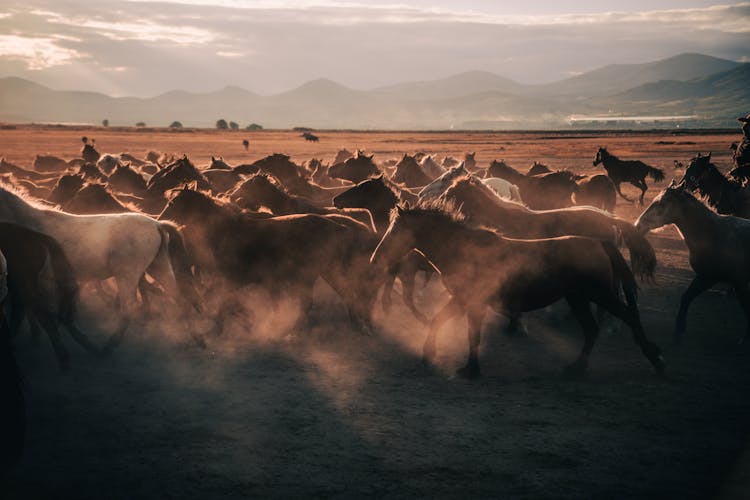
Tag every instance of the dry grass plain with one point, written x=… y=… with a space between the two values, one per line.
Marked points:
x=337 y=414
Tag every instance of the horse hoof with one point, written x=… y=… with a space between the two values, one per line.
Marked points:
x=469 y=372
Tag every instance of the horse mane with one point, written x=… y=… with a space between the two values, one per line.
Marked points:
x=441 y=209
x=24 y=196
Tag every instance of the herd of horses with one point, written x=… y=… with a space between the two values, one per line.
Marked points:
x=166 y=231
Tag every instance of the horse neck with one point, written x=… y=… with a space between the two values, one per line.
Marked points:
x=441 y=244
x=696 y=222
x=715 y=185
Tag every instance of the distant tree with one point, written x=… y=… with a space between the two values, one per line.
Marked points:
x=254 y=126
x=302 y=129
x=234 y=125
x=140 y=124
x=222 y=124
x=175 y=124
x=105 y=123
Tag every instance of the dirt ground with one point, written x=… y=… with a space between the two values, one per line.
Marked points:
x=338 y=414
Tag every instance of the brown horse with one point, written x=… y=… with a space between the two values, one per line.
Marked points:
x=291 y=176
x=727 y=196
x=379 y=196
x=94 y=198
x=125 y=179
x=262 y=190
x=482 y=207
x=719 y=246
x=632 y=171
x=283 y=255
x=596 y=191
x=481 y=268
x=541 y=192
x=409 y=173
x=354 y=169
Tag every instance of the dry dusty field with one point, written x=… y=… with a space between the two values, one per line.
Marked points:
x=338 y=414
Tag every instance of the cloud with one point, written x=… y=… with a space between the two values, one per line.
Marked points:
x=270 y=46
x=142 y=30
x=36 y=53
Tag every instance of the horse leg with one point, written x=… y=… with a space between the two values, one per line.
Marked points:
x=388 y=290
x=743 y=296
x=696 y=287
x=617 y=187
x=582 y=312
x=475 y=315
x=641 y=184
x=126 y=300
x=629 y=314
x=407 y=277
x=305 y=308
x=451 y=309
x=50 y=326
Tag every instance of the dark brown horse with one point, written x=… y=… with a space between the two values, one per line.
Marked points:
x=125 y=179
x=13 y=413
x=379 y=196
x=42 y=286
x=94 y=198
x=481 y=268
x=355 y=169
x=541 y=192
x=263 y=191
x=90 y=172
x=482 y=207
x=538 y=169
x=632 y=171
x=283 y=255
x=67 y=186
x=727 y=196
x=88 y=150
x=719 y=247
x=596 y=191
x=219 y=164
x=409 y=173
x=291 y=176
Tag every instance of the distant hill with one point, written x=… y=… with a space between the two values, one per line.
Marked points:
x=621 y=77
x=712 y=91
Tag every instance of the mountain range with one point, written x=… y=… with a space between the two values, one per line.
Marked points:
x=692 y=90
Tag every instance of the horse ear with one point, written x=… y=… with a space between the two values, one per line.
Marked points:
x=699 y=155
x=371 y=156
x=213 y=159
x=709 y=155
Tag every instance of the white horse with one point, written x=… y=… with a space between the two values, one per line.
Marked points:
x=120 y=246
x=501 y=187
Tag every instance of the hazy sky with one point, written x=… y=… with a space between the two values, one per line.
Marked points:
x=147 y=47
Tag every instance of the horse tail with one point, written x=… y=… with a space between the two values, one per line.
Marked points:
x=656 y=174
x=66 y=283
x=642 y=254
x=181 y=263
x=623 y=275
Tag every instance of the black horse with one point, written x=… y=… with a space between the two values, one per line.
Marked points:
x=42 y=287
x=632 y=171
x=727 y=196
x=13 y=413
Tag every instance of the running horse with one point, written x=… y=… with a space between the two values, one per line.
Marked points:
x=719 y=247
x=480 y=268
x=121 y=246
x=632 y=171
